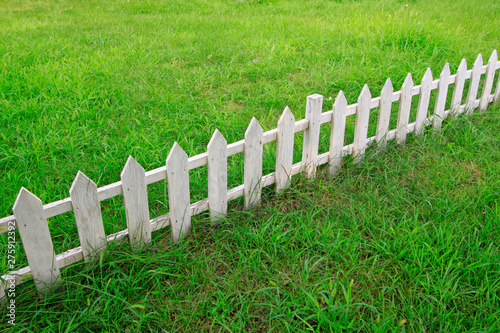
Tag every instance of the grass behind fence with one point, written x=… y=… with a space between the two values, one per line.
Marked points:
x=406 y=241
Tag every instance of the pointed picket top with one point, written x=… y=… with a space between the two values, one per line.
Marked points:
x=253 y=127
x=423 y=102
x=384 y=113
x=404 y=109
x=442 y=93
x=488 y=81
x=365 y=94
x=135 y=197
x=176 y=152
x=284 y=149
x=216 y=140
x=80 y=178
x=286 y=117
x=131 y=167
x=217 y=176
x=340 y=101
x=25 y=198
x=388 y=87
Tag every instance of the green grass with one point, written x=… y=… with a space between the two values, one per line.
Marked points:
x=84 y=84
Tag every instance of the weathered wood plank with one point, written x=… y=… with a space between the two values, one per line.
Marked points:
x=87 y=210
x=253 y=164
x=361 y=125
x=442 y=93
x=284 y=149
x=135 y=197
x=178 y=192
x=217 y=176
x=488 y=81
x=384 y=113
x=35 y=236
x=337 y=134
x=474 y=84
x=404 y=110
x=458 y=90
x=423 y=102
x=311 y=134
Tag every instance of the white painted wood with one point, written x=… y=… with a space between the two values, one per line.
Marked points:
x=87 y=210
x=135 y=197
x=404 y=110
x=361 y=126
x=384 y=113
x=178 y=192
x=284 y=149
x=458 y=90
x=423 y=102
x=35 y=236
x=337 y=134
x=474 y=84
x=488 y=81
x=442 y=93
x=496 y=95
x=311 y=134
x=253 y=164
x=217 y=176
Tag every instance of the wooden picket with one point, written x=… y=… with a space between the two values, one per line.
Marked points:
x=30 y=216
x=35 y=236
x=88 y=217
x=135 y=198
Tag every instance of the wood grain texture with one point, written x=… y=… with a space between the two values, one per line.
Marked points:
x=217 y=176
x=284 y=149
x=178 y=192
x=253 y=164
x=474 y=84
x=87 y=210
x=337 y=134
x=361 y=125
x=314 y=106
x=458 y=90
x=404 y=110
x=35 y=236
x=441 y=96
x=384 y=113
x=423 y=102
x=488 y=81
x=135 y=197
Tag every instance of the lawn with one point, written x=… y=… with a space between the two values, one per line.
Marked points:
x=406 y=241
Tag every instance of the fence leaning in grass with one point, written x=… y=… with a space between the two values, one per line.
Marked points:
x=30 y=216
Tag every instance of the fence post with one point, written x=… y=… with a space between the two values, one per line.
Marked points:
x=361 y=125
x=488 y=81
x=135 y=197
x=311 y=134
x=442 y=93
x=178 y=192
x=87 y=210
x=404 y=110
x=35 y=236
x=458 y=90
x=284 y=149
x=384 y=114
x=252 y=178
x=423 y=102
x=217 y=176
x=337 y=134
x=474 y=84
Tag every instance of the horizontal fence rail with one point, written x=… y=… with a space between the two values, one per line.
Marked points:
x=30 y=216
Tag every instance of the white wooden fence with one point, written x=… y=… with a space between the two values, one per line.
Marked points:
x=30 y=216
